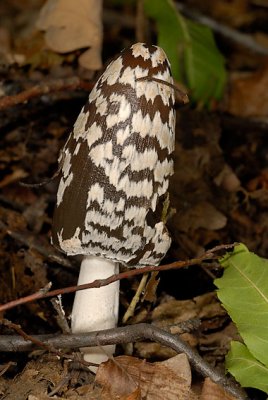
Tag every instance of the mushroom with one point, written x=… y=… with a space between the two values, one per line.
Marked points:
x=115 y=170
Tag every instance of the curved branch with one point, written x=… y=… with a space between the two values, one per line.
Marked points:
x=131 y=333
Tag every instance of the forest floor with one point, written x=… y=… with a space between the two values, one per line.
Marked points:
x=219 y=191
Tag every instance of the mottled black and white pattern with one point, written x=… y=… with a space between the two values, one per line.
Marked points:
x=117 y=162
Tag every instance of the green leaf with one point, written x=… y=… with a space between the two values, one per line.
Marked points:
x=245 y=368
x=191 y=49
x=243 y=291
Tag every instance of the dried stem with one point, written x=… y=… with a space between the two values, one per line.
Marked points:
x=209 y=255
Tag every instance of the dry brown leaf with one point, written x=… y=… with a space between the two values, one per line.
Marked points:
x=212 y=391
x=71 y=25
x=221 y=339
x=208 y=306
x=180 y=365
x=114 y=379
x=172 y=312
x=249 y=96
x=179 y=316
x=153 y=350
x=202 y=215
x=227 y=179
x=151 y=287
x=136 y=395
x=169 y=380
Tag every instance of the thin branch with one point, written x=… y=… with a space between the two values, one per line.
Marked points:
x=60 y=315
x=209 y=255
x=45 y=88
x=238 y=37
x=131 y=333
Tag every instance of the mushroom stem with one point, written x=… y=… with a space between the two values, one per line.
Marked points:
x=96 y=309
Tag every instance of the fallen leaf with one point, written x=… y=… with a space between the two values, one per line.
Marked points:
x=169 y=380
x=180 y=364
x=220 y=339
x=186 y=317
x=71 y=25
x=227 y=179
x=208 y=306
x=201 y=215
x=172 y=312
x=114 y=379
x=153 y=350
x=248 y=95
x=212 y=391
x=151 y=287
x=136 y=395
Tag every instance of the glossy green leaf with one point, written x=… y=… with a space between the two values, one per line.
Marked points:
x=191 y=49
x=245 y=368
x=243 y=291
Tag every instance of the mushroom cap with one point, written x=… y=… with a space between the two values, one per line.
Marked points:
x=117 y=162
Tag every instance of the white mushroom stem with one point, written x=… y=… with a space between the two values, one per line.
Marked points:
x=96 y=309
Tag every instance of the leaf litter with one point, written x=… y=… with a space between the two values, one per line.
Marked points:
x=219 y=191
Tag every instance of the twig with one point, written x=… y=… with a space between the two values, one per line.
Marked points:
x=130 y=333
x=60 y=317
x=45 y=88
x=238 y=37
x=103 y=282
